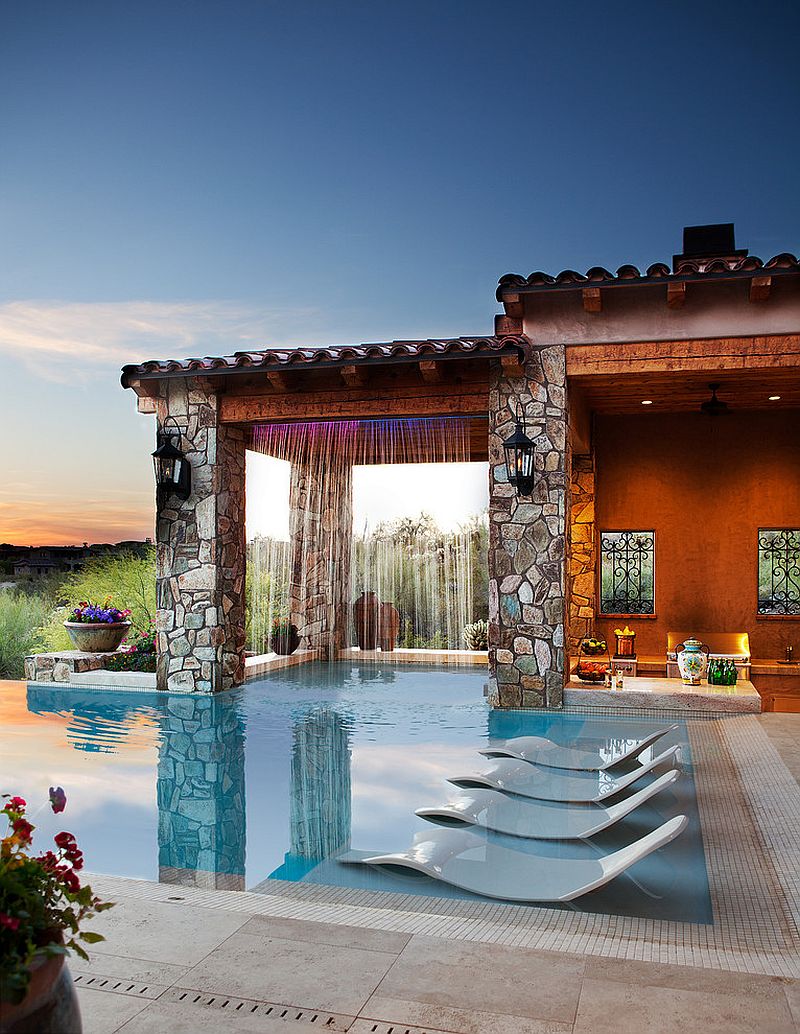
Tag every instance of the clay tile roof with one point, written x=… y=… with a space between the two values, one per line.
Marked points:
x=334 y=355
x=724 y=268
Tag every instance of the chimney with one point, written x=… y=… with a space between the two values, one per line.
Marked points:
x=703 y=244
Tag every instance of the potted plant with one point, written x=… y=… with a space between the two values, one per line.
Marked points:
x=140 y=655
x=284 y=637
x=42 y=909
x=97 y=628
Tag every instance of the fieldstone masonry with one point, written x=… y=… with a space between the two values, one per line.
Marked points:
x=201 y=550
x=527 y=537
x=582 y=552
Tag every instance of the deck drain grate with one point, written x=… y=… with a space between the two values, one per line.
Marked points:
x=381 y=1027
x=320 y=1019
x=115 y=985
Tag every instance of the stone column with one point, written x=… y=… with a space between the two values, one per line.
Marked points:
x=320 y=816
x=321 y=529
x=582 y=554
x=201 y=551
x=527 y=536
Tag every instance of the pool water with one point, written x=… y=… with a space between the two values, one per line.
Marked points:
x=275 y=780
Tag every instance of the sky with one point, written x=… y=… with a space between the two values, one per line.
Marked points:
x=184 y=178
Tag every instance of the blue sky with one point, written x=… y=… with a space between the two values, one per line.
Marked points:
x=179 y=178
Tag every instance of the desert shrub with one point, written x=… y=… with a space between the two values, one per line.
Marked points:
x=128 y=579
x=22 y=617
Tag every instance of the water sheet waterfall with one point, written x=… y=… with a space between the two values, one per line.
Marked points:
x=434 y=577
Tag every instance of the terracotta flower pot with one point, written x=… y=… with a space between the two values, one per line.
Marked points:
x=96 y=637
x=365 y=619
x=388 y=626
x=285 y=642
x=50 y=1005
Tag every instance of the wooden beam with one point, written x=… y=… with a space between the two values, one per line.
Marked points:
x=278 y=380
x=505 y=325
x=430 y=370
x=512 y=366
x=365 y=404
x=592 y=299
x=512 y=303
x=580 y=421
x=759 y=288
x=146 y=404
x=676 y=295
x=354 y=376
x=713 y=354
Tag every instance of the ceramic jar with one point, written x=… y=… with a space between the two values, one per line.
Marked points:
x=692 y=662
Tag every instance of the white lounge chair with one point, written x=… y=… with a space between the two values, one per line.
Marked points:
x=471 y=862
x=541 y=751
x=524 y=817
x=549 y=784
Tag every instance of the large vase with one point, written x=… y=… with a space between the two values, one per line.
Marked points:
x=692 y=662
x=365 y=618
x=50 y=1005
x=97 y=636
x=285 y=642
x=388 y=626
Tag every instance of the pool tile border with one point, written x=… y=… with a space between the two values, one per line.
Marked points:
x=750 y=810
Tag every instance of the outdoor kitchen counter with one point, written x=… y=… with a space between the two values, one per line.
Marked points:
x=660 y=693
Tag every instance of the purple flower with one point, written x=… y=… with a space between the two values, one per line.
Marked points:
x=58 y=799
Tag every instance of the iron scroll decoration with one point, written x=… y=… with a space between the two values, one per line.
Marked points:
x=519 y=452
x=173 y=471
x=626 y=574
x=779 y=571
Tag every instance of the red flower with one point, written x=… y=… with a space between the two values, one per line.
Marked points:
x=10 y=922
x=22 y=829
x=17 y=803
x=64 y=840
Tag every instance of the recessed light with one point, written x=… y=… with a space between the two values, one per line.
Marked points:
x=647 y=402
x=774 y=398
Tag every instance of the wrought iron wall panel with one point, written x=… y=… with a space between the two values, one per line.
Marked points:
x=779 y=571
x=627 y=582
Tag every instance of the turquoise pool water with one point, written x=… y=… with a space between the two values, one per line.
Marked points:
x=276 y=779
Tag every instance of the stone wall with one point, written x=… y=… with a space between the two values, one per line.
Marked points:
x=321 y=524
x=527 y=537
x=201 y=551
x=582 y=552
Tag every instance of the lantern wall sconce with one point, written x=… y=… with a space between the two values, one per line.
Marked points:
x=519 y=451
x=172 y=469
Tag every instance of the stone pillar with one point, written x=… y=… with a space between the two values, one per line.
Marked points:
x=320 y=818
x=321 y=530
x=201 y=551
x=527 y=536
x=582 y=552
x=201 y=794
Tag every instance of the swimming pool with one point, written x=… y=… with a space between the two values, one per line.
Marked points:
x=274 y=780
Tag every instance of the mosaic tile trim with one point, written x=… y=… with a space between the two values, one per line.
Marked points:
x=753 y=875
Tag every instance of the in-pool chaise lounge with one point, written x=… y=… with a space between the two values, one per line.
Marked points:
x=471 y=862
x=541 y=751
x=536 y=820
x=550 y=784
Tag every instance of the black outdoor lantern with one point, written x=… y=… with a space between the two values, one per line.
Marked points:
x=173 y=472
x=519 y=450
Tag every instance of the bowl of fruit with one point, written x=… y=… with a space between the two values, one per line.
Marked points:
x=593 y=647
x=591 y=671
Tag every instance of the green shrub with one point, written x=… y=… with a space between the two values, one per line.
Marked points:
x=130 y=581
x=21 y=619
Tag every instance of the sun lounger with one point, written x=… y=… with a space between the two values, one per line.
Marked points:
x=474 y=863
x=541 y=751
x=524 y=817
x=549 y=784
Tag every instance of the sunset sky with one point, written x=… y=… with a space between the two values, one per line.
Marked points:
x=194 y=178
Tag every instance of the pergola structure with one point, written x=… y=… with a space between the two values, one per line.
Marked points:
x=569 y=350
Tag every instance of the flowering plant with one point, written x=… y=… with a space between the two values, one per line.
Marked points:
x=42 y=902
x=140 y=655
x=282 y=626
x=93 y=613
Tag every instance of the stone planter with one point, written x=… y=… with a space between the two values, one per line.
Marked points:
x=96 y=637
x=49 y=1007
x=285 y=643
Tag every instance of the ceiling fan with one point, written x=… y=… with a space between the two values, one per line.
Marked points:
x=714 y=406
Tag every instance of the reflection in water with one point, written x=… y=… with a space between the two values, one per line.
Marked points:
x=201 y=794
x=320 y=786
x=94 y=723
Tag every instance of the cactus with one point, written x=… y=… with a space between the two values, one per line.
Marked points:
x=476 y=636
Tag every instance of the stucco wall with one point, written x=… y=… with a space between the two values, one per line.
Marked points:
x=705 y=486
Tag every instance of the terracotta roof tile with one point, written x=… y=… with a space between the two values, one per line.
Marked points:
x=334 y=355
x=689 y=268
